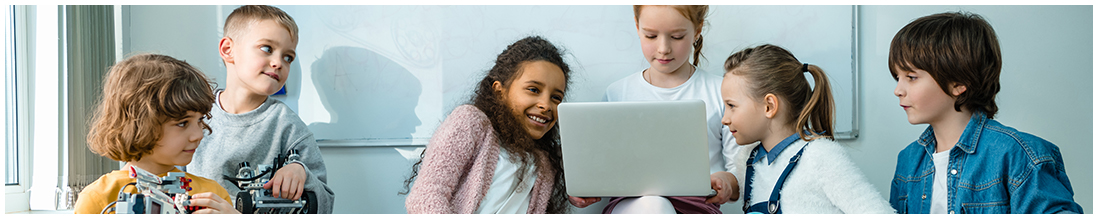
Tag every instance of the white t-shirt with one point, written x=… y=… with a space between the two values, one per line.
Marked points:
x=701 y=86
x=505 y=195
x=939 y=192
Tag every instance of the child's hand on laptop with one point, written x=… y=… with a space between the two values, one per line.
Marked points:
x=726 y=186
x=583 y=202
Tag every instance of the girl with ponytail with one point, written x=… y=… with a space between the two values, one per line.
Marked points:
x=797 y=167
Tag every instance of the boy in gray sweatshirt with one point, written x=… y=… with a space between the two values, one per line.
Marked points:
x=257 y=50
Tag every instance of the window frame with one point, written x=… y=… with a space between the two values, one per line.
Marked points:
x=19 y=58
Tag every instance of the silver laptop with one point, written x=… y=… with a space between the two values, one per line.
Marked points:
x=635 y=148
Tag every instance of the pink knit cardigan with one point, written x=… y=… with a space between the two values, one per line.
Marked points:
x=459 y=164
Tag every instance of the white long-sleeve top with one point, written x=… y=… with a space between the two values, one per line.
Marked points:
x=825 y=181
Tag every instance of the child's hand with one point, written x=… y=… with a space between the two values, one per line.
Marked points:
x=727 y=188
x=213 y=203
x=583 y=202
x=287 y=182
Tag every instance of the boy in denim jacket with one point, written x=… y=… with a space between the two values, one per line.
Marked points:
x=947 y=71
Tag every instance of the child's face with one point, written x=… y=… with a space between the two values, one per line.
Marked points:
x=666 y=37
x=533 y=96
x=262 y=55
x=743 y=115
x=178 y=141
x=921 y=97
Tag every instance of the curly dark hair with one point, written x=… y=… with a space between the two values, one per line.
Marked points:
x=544 y=152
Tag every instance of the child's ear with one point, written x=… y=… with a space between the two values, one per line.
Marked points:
x=225 y=49
x=772 y=104
x=958 y=89
x=498 y=87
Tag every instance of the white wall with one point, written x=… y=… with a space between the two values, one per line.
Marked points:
x=187 y=32
x=1046 y=85
x=1046 y=90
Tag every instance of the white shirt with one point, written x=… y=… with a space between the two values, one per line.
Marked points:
x=825 y=181
x=939 y=192
x=701 y=86
x=505 y=195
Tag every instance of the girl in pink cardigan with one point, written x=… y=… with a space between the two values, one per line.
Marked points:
x=502 y=153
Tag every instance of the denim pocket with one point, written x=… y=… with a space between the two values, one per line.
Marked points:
x=901 y=205
x=999 y=207
x=987 y=196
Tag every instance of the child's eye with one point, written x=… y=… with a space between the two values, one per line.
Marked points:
x=650 y=36
x=677 y=37
x=911 y=78
x=533 y=89
x=266 y=49
x=558 y=98
x=288 y=58
x=181 y=124
x=731 y=106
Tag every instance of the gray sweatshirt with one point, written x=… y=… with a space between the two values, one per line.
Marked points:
x=259 y=136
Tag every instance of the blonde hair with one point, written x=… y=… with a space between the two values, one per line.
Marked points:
x=770 y=69
x=242 y=17
x=139 y=95
x=695 y=14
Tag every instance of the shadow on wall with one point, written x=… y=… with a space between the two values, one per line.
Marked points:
x=367 y=95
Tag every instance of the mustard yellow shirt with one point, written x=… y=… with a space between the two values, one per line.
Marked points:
x=105 y=190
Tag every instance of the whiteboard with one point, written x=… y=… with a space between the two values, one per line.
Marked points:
x=389 y=75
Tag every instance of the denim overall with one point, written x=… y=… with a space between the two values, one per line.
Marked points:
x=772 y=206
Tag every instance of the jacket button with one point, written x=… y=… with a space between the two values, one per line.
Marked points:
x=953 y=171
x=924 y=196
x=950 y=212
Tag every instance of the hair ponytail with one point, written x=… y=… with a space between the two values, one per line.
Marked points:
x=697 y=49
x=770 y=69
x=819 y=110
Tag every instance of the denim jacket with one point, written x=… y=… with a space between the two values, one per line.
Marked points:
x=993 y=169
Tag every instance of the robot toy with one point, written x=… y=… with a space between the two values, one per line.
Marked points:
x=155 y=195
x=254 y=199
